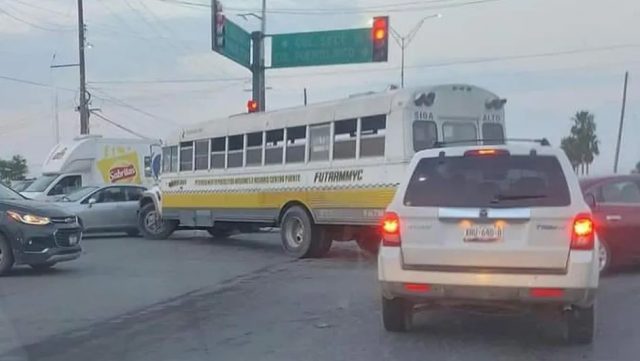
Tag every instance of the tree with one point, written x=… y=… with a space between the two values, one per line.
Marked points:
x=637 y=170
x=13 y=169
x=582 y=145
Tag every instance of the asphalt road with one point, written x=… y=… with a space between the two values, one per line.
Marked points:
x=193 y=298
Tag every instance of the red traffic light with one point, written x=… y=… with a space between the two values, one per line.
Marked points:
x=252 y=106
x=380 y=28
x=380 y=35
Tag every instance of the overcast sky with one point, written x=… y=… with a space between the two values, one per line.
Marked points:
x=150 y=67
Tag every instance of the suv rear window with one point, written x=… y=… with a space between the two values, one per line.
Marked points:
x=488 y=181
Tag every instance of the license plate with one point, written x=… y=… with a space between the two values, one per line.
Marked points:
x=73 y=239
x=483 y=233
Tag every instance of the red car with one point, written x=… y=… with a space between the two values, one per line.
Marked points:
x=616 y=212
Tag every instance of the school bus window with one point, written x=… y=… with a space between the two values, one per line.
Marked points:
x=320 y=141
x=344 y=139
x=168 y=153
x=254 y=149
x=202 y=154
x=372 y=133
x=425 y=135
x=274 y=146
x=296 y=140
x=236 y=148
x=186 y=156
x=461 y=133
x=493 y=133
x=218 y=146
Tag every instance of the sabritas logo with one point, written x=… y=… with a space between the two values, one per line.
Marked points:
x=119 y=173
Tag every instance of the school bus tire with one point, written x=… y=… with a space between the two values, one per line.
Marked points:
x=301 y=237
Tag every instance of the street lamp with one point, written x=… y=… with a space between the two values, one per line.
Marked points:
x=404 y=41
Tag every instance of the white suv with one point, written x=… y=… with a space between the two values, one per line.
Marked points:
x=498 y=225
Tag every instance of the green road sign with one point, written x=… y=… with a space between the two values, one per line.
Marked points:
x=237 y=44
x=321 y=48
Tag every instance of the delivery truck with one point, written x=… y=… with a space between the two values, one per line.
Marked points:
x=92 y=160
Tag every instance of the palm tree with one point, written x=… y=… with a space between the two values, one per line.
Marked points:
x=583 y=143
x=569 y=145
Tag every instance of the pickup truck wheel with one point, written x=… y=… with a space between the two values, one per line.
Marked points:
x=580 y=325
x=152 y=225
x=397 y=315
x=6 y=256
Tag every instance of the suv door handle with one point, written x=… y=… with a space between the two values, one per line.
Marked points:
x=613 y=218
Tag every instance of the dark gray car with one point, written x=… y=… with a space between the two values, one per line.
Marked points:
x=111 y=208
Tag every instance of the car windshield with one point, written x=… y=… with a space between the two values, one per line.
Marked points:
x=41 y=183
x=78 y=194
x=488 y=181
x=7 y=193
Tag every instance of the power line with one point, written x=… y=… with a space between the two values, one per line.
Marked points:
x=361 y=10
x=28 y=4
x=37 y=26
x=420 y=66
x=35 y=83
x=171 y=81
x=120 y=126
x=122 y=103
x=152 y=26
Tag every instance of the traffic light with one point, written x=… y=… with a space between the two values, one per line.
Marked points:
x=252 y=106
x=380 y=35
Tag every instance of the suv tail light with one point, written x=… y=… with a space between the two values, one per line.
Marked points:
x=582 y=232
x=485 y=152
x=390 y=230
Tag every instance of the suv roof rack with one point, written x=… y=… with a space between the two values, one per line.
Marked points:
x=543 y=142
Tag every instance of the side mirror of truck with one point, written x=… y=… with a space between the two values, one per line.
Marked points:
x=147 y=167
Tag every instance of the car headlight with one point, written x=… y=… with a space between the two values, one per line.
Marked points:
x=29 y=218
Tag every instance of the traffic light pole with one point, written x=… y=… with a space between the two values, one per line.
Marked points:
x=257 y=69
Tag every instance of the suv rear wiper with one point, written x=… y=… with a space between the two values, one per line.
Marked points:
x=501 y=197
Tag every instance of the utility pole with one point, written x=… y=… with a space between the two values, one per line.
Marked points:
x=84 y=106
x=404 y=41
x=624 y=103
x=262 y=99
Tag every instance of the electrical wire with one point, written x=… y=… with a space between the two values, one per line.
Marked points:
x=119 y=126
x=371 y=70
x=361 y=10
x=37 y=26
x=34 y=83
x=108 y=98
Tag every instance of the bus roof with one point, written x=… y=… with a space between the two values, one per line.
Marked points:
x=353 y=107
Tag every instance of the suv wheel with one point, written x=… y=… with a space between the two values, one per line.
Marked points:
x=6 y=255
x=152 y=225
x=397 y=315
x=580 y=325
